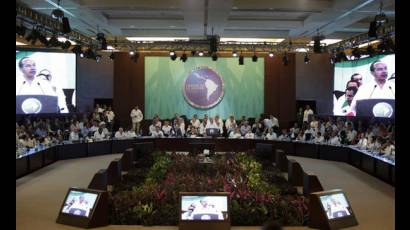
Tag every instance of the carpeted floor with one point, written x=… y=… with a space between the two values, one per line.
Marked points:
x=40 y=194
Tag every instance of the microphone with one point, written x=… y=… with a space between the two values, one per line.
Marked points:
x=21 y=87
x=38 y=83
x=372 y=91
x=391 y=90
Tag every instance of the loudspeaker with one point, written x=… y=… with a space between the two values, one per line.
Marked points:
x=316 y=46
x=213 y=44
x=66 y=26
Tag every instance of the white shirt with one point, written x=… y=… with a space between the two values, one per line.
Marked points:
x=275 y=122
x=235 y=135
x=362 y=144
x=166 y=129
x=40 y=86
x=306 y=114
x=320 y=139
x=156 y=133
x=119 y=135
x=230 y=124
x=212 y=125
x=195 y=123
x=351 y=135
x=136 y=116
x=334 y=140
x=250 y=136
x=272 y=136
x=74 y=136
x=131 y=134
x=110 y=116
x=373 y=91
x=99 y=136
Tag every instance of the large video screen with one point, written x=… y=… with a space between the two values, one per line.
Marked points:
x=79 y=203
x=335 y=206
x=365 y=87
x=202 y=86
x=45 y=82
x=204 y=208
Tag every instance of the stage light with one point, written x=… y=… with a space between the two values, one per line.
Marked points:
x=201 y=53
x=184 y=57
x=306 y=59
x=173 y=55
x=21 y=30
x=271 y=55
x=285 y=59
x=57 y=13
x=81 y=55
x=356 y=53
x=241 y=59
x=66 y=45
x=65 y=29
x=214 y=57
x=234 y=54
x=254 y=58
x=98 y=57
x=112 y=56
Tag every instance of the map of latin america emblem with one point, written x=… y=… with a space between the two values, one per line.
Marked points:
x=203 y=88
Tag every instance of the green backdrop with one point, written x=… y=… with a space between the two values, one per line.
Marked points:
x=243 y=87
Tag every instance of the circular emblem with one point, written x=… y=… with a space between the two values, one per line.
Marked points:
x=382 y=109
x=203 y=88
x=31 y=105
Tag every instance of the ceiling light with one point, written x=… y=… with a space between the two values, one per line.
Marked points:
x=254 y=58
x=271 y=55
x=172 y=53
x=241 y=59
x=81 y=55
x=158 y=39
x=131 y=53
x=201 y=53
x=214 y=57
x=20 y=44
x=255 y=40
x=306 y=59
x=234 y=54
x=326 y=42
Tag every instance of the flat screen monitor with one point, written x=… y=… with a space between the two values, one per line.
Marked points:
x=335 y=205
x=212 y=132
x=79 y=203
x=204 y=207
x=45 y=81
x=330 y=210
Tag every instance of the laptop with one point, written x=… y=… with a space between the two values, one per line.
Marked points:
x=212 y=132
x=34 y=104
x=375 y=108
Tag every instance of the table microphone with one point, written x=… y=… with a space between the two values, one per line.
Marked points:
x=372 y=91
x=391 y=90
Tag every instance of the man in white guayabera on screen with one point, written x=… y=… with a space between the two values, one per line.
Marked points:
x=206 y=211
x=211 y=86
x=31 y=84
x=380 y=88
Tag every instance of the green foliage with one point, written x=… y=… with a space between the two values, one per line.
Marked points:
x=254 y=199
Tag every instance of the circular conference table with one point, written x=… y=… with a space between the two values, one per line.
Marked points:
x=371 y=163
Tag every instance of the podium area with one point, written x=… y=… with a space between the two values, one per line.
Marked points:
x=39 y=194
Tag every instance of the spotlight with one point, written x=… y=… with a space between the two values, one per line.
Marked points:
x=66 y=45
x=201 y=53
x=112 y=56
x=306 y=59
x=132 y=53
x=53 y=41
x=241 y=60
x=234 y=54
x=271 y=55
x=57 y=14
x=81 y=55
x=173 y=55
x=89 y=53
x=76 y=49
x=285 y=59
x=21 y=30
x=356 y=53
x=65 y=29
x=184 y=57
x=98 y=57
x=370 y=51
x=254 y=58
x=214 y=57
